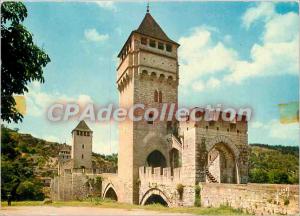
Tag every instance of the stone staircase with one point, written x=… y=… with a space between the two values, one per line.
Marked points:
x=210 y=177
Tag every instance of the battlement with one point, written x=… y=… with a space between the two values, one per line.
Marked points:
x=89 y=171
x=159 y=174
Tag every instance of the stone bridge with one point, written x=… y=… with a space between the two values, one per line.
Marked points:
x=159 y=185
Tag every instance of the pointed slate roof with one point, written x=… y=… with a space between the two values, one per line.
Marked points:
x=151 y=28
x=82 y=126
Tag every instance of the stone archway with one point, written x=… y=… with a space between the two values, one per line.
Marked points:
x=153 y=196
x=110 y=193
x=222 y=166
x=156 y=159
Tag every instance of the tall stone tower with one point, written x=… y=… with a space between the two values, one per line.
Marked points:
x=147 y=74
x=82 y=137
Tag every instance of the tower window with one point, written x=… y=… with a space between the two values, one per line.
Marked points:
x=150 y=118
x=144 y=41
x=160 y=46
x=169 y=47
x=82 y=156
x=156 y=96
x=78 y=133
x=88 y=133
x=160 y=97
x=81 y=133
x=83 y=146
x=152 y=43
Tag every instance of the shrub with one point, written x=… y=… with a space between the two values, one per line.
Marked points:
x=286 y=201
x=29 y=190
x=197 y=202
x=180 y=189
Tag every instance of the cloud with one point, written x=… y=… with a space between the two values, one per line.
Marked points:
x=206 y=63
x=94 y=36
x=278 y=54
x=38 y=101
x=201 y=56
x=109 y=5
x=264 y=10
x=277 y=133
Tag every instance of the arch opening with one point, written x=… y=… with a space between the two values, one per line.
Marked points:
x=111 y=194
x=221 y=165
x=156 y=199
x=156 y=159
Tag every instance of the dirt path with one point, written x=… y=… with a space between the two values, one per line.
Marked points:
x=73 y=211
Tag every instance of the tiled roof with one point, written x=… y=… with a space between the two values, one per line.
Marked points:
x=151 y=28
x=82 y=126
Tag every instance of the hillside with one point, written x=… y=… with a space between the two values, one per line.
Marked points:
x=274 y=164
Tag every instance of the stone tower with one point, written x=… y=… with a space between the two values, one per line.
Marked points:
x=147 y=74
x=82 y=137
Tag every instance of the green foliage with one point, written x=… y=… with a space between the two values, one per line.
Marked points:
x=17 y=176
x=278 y=177
x=30 y=190
x=286 y=201
x=180 y=188
x=22 y=61
x=197 y=202
x=258 y=176
x=274 y=164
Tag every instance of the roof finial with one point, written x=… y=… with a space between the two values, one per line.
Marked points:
x=148 y=7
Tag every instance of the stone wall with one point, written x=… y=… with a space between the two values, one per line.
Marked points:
x=259 y=199
x=72 y=186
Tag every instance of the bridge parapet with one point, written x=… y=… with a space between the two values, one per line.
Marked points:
x=159 y=174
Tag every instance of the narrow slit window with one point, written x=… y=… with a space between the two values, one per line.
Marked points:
x=156 y=96
x=160 y=97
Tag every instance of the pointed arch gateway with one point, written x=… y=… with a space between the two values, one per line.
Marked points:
x=155 y=196
x=222 y=166
x=110 y=193
x=156 y=159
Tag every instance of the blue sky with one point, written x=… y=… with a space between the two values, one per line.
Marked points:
x=234 y=53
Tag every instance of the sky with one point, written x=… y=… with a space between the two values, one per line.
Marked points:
x=240 y=54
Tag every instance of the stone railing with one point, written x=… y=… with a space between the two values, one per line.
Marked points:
x=158 y=174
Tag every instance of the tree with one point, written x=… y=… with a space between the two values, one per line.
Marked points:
x=22 y=60
x=278 y=177
x=258 y=176
x=17 y=176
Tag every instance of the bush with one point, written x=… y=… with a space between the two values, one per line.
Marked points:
x=258 y=176
x=180 y=189
x=30 y=190
x=197 y=202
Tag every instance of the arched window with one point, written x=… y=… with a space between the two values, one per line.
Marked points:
x=156 y=96
x=83 y=146
x=160 y=97
x=82 y=156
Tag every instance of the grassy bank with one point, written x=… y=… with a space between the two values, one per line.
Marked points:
x=98 y=203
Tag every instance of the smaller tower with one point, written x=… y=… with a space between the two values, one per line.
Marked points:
x=82 y=137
